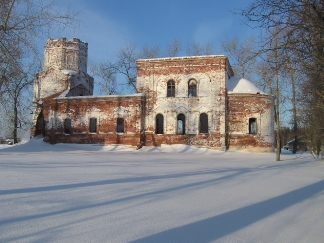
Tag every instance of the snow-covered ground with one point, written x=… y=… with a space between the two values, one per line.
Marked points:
x=86 y=193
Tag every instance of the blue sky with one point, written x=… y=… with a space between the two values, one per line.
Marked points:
x=109 y=24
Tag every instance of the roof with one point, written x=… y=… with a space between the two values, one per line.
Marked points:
x=243 y=86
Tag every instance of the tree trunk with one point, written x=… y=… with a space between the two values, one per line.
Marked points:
x=293 y=101
x=278 y=147
x=15 y=132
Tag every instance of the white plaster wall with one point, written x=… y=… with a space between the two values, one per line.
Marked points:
x=208 y=100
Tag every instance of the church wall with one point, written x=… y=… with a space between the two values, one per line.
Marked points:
x=63 y=91
x=105 y=109
x=209 y=73
x=259 y=108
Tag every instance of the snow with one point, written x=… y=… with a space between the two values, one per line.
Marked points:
x=99 y=96
x=241 y=85
x=174 y=193
x=69 y=72
x=178 y=58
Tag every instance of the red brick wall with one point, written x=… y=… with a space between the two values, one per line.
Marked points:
x=241 y=108
x=105 y=109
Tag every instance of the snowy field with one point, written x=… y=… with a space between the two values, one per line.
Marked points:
x=86 y=193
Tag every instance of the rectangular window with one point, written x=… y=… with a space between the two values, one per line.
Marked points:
x=203 y=123
x=120 y=124
x=170 y=89
x=93 y=125
x=252 y=126
x=67 y=126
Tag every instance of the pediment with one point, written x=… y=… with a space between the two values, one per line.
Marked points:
x=159 y=109
x=203 y=109
x=181 y=109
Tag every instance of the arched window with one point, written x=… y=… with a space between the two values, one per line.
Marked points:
x=181 y=124
x=203 y=123
x=171 y=89
x=252 y=126
x=120 y=124
x=67 y=126
x=93 y=125
x=192 y=88
x=159 y=124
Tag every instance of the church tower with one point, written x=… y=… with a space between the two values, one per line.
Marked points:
x=64 y=74
x=66 y=54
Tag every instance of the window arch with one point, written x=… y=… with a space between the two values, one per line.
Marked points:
x=192 y=88
x=159 y=124
x=93 y=125
x=67 y=126
x=170 y=89
x=203 y=123
x=252 y=126
x=181 y=124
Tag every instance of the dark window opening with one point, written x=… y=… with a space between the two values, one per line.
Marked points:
x=93 y=125
x=192 y=88
x=171 y=89
x=203 y=123
x=67 y=126
x=40 y=125
x=181 y=124
x=159 y=124
x=120 y=124
x=252 y=126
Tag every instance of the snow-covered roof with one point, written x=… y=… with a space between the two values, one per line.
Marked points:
x=69 y=72
x=179 y=58
x=98 y=96
x=242 y=86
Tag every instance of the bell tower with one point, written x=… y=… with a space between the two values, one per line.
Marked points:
x=66 y=54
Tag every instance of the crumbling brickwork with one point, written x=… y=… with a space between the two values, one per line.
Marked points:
x=244 y=108
x=209 y=74
x=181 y=100
x=106 y=111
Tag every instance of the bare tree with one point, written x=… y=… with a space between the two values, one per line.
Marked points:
x=125 y=66
x=173 y=48
x=16 y=99
x=149 y=52
x=106 y=73
x=197 y=49
x=22 y=23
x=242 y=52
x=299 y=32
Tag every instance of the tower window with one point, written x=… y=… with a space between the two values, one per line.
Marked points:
x=171 y=89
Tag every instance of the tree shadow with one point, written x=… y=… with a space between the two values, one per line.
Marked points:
x=211 y=229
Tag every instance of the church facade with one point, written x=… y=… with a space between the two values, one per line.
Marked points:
x=180 y=100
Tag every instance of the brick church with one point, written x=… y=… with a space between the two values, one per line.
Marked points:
x=193 y=100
